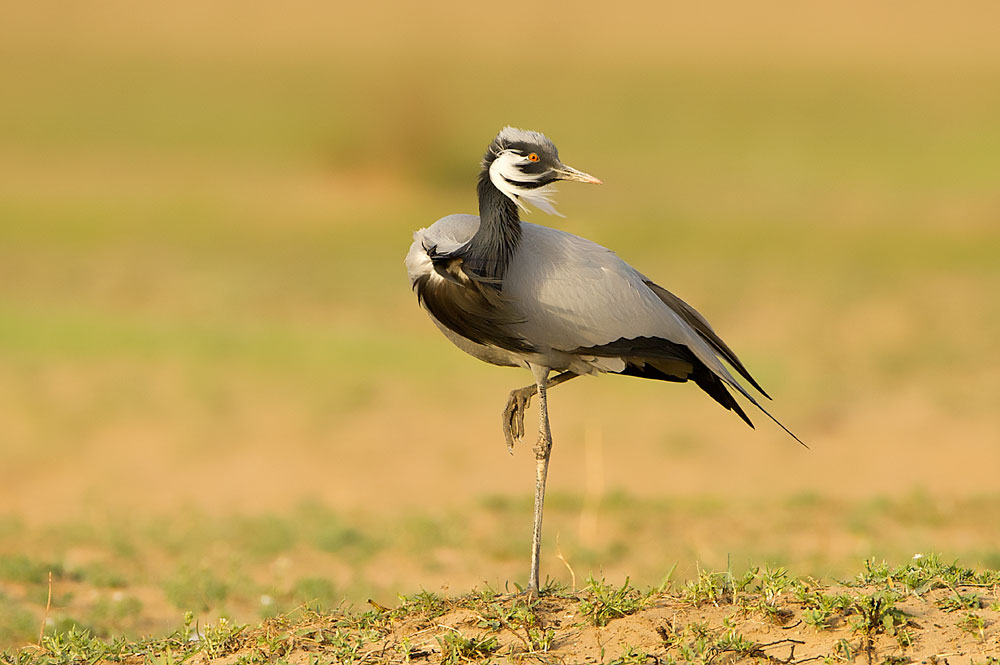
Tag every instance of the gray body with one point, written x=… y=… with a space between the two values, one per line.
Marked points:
x=560 y=290
x=576 y=302
x=564 y=293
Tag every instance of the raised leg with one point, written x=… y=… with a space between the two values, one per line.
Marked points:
x=518 y=403
x=543 y=450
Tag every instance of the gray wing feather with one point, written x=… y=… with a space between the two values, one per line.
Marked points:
x=577 y=294
x=698 y=322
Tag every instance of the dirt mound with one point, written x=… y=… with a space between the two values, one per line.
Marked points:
x=924 y=612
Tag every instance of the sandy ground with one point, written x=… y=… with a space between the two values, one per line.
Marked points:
x=666 y=630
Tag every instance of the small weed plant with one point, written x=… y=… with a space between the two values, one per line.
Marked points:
x=714 y=588
x=456 y=648
x=632 y=656
x=924 y=573
x=698 y=643
x=877 y=614
x=960 y=601
x=972 y=623
x=818 y=608
x=603 y=602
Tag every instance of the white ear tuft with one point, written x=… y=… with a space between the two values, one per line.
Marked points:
x=504 y=175
x=543 y=199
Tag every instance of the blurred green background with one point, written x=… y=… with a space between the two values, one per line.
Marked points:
x=216 y=384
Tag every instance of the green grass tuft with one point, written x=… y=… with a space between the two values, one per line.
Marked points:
x=603 y=602
x=456 y=648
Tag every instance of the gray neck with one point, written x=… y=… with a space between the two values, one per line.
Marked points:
x=491 y=249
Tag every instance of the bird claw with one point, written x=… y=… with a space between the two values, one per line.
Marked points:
x=513 y=415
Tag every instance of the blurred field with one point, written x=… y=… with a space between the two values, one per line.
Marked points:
x=203 y=309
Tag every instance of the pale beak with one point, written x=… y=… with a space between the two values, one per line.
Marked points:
x=569 y=173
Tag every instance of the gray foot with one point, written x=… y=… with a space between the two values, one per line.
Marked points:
x=513 y=415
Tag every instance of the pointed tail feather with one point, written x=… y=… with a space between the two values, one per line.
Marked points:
x=746 y=394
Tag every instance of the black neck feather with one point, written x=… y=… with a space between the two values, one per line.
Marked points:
x=491 y=249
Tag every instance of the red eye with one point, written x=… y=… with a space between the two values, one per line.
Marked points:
x=533 y=157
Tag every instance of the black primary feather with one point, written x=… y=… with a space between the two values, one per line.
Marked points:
x=663 y=360
x=693 y=318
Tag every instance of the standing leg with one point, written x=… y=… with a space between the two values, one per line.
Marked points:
x=542 y=451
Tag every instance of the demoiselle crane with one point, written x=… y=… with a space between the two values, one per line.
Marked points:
x=522 y=295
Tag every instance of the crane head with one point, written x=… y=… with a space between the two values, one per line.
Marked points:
x=525 y=165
